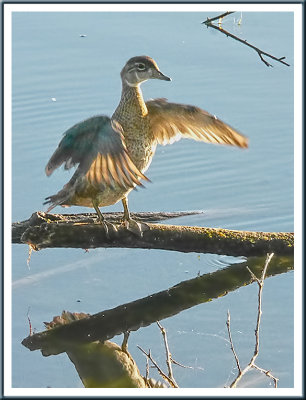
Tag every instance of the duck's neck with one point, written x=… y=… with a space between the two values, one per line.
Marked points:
x=131 y=103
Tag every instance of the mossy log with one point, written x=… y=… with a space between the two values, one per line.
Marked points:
x=82 y=231
x=143 y=312
x=37 y=218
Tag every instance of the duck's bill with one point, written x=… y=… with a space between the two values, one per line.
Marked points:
x=163 y=77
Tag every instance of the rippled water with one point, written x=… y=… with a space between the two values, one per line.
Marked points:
x=240 y=189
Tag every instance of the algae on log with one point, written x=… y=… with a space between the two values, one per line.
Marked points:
x=77 y=231
x=143 y=312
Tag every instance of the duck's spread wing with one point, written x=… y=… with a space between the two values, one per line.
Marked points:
x=171 y=122
x=97 y=145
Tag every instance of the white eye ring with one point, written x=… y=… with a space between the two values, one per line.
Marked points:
x=141 y=67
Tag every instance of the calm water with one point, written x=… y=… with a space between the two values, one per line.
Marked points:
x=250 y=189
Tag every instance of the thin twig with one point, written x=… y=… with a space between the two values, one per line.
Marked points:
x=30 y=325
x=169 y=357
x=254 y=277
x=268 y=373
x=228 y=324
x=31 y=248
x=147 y=367
x=251 y=363
x=162 y=374
x=209 y=20
x=181 y=365
x=260 y=284
x=260 y=53
x=264 y=271
x=124 y=345
x=168 y=354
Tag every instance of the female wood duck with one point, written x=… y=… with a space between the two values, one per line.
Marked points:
x=113 y=153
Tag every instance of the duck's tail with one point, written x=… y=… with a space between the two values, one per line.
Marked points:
x=60 y=198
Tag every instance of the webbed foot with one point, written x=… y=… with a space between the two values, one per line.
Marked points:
x=108 y=226
x=133 y=226
x=136 y=227
x=110 y=229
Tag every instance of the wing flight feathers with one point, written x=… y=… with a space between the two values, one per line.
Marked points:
x=171 y=122
x=98 y=146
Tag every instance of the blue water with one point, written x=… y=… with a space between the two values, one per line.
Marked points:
x=238 y=189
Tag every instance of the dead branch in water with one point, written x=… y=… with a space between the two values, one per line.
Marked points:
x=18 y=228
x=76 y=231
x=251 y=364
x=260 y=53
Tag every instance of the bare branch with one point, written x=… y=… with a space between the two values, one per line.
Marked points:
x=264 y=271
x=263 y=60
x=182 y=365
x=162 y=374
x=124 y=345
x=268 y=373
x=261 y=53
x=228 y=324
x=147 y=368
x=168 y=354
x=30 y=324
x=254 y=277
x=251 y=363
x=221 y=16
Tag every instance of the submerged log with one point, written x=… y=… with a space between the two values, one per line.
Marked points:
x=79 y=231
x=143 y=312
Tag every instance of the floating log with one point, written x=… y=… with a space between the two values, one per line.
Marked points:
x=18 y=228
x=77 y=231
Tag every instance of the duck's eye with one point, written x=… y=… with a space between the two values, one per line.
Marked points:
x=141 y=67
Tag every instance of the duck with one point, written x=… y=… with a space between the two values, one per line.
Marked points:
x=111 y=154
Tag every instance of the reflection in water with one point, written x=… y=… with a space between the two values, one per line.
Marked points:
x=105 y=365
x=83 y=337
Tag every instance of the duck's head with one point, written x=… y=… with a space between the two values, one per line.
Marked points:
x=140 y=69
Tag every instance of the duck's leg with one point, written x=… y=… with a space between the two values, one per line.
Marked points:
x=106 y=225
x=136 y=227
x=126 y=213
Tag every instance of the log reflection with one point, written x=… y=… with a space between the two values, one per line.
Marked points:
x=143 y=312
